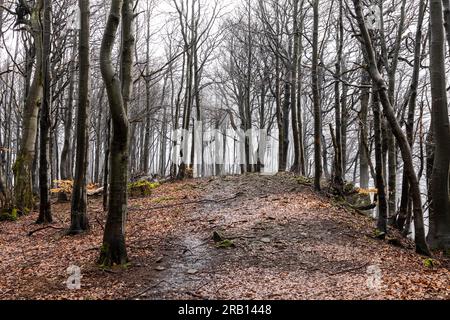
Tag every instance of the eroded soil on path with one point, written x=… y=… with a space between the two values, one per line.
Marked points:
x=288 y=243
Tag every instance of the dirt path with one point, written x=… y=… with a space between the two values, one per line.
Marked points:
x=289 y=243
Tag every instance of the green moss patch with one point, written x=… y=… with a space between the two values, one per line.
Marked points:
x=9 y=215
x=142 y=188
x=304 y=181
x=225 y=244
x=430 y=263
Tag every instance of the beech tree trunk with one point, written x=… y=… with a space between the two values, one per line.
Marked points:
x=23 y=167
x=379 y=166
x=316 y=99
x=119 y=92
x=79 y=219
x=338 y=179
x=363 y=138
x=293 y=73
x=441 y=133
x=45 y=214
x=405 y=197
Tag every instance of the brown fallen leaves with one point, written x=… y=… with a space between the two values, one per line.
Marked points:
x=311 y=249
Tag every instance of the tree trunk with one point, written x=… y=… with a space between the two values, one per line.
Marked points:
x=98 y=138
x=23 y=167
x=344 y=121
x=45 y=215
x=79 y=219
x=164 y=140
x=432 y=236
x=379 y=168
x=293 y=73
x=405 y=198
x=338 y=180
x=119 y=92
x=188 y=43
x=286 y=107
x=316 y=99
x=106 y=164
x=301 y=135
x=441 y=133
x=147 y=123
x=363 y=139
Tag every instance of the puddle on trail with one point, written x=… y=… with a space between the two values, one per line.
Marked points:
x=185 y=271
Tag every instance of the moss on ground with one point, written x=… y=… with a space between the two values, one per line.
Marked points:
x=142 y=188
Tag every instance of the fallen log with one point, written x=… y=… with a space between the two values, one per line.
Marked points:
x=96 y=192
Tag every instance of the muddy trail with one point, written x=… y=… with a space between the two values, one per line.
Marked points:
x=282 y=241
x=278 y=240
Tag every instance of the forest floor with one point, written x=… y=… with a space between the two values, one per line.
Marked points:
x=288 y=242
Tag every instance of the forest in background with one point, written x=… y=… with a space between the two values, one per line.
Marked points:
x=346 y=92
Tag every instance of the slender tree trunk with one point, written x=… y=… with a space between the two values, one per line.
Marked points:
x=430 y=147
x=5 y=197
x=405 y=197
x=79 y=219
x=98 y=138
x=344 y=122
x=379 y=168
x=163 y=151
x=106 y=164
x=363 y=139
x=187 y=97
x=248 y=90
x=295 y=58
x=301 y=135
x=176 y=125
x=338 y=180
x=316 y=99
x=45 y=214
x=197 y=96
x=279 y=110
x=147 y=122
x=391 y=146
x=286 y=107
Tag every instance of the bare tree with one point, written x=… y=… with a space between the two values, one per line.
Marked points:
x=316 y=99
x=45 y=214
x=23 y=167
x=79 y=220
x=119 y=92
x=381 y=87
